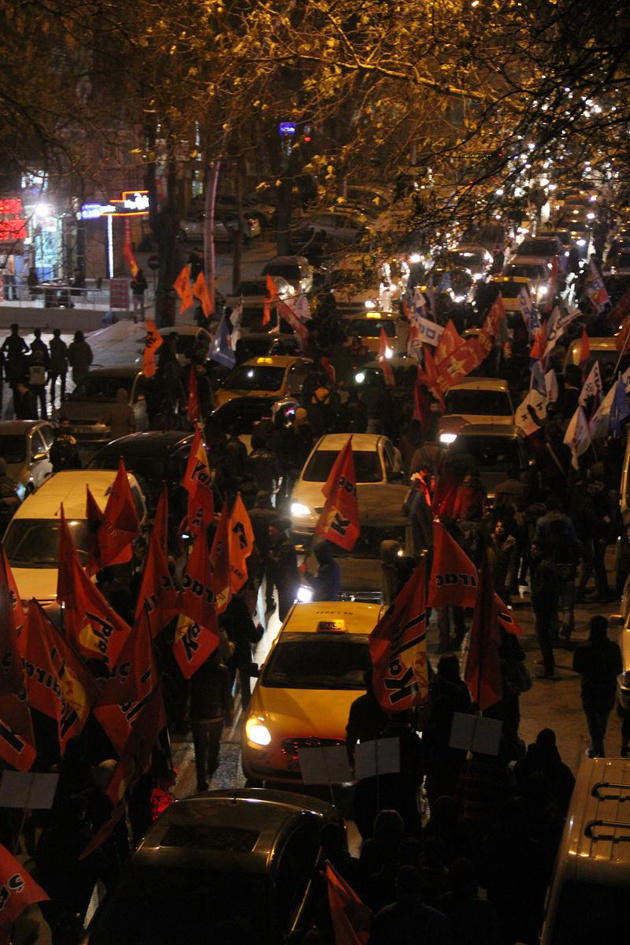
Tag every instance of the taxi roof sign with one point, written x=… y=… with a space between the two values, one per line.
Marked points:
x=331 y=626
x=264 y=360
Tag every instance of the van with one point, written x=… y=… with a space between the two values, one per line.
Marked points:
x=588 y=898
x=32 y=539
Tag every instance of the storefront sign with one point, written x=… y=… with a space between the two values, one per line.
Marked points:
x=119 y=293
x=12 y=220
x=132 y=203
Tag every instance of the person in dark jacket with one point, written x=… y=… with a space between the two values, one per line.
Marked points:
x=64 y=453
x=282 y=571
x=24 y=402
x=80 y=356
x=210 y=710
x=598 y=661
x=326 y=583
x=243 y=633
x=58 y=365
x=261 y=517
x=545 y=601
x=409 y=920
x=544 y=758
x=14 y=350
x=263 y=465
x=204 y=392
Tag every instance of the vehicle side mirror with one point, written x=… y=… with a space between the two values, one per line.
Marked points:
x=254 y=670
x=37 y=457
x=395 y=475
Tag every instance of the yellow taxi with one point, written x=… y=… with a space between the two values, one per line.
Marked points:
x=273 y=377
x=509 y=288
x=312 y=675
x=368 y=330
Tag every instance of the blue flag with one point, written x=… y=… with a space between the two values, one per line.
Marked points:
x=538 y=379
x=221 y=350
x=619 y=409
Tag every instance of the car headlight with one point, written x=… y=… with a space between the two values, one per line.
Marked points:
x=448 y=438
x=477 y=276
x=298 y=509
x=305 y=594
x=257 y=733
x=389 y=353
x=542 y=290
x=360 y=377
x=370 y=304
x=581 y=242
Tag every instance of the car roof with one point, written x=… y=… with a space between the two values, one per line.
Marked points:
x=15 y=427
x=360 y=441
x=150 y=444
x=357 y=617
x=480 y=383
x=183 y=328
x=248 y=825
x=504 y=430
x=271 y=360
x=596 y=344
x=501 y=280
x=68 y=487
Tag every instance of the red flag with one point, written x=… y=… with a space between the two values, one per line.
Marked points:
x=153 y=341
x=272 y=295
x=157 y=597
x=241 y=544
x=183 y=289
x=104 y=831
x=585 y=348
x=134 y=674
x=193 y=397
x=350 y=918
x=398 y=648
x=197 y=633
x=453 y=578
x=271 y=288
x=506 y=617
x=200 y=290
x=459 y=364
x=160 y=522
x=430 y=375
x=339 y=521
x=65 y=557
x=383 y=348
x=198 y=483
x=92 y=625
x=483 y=665
x=11 y=623
x=450 y=340
x=17 y=741
x=128 y=255
x=18 y=889
x=120 y=525
x=220 y=557
x=57 y=682
x=95 y=518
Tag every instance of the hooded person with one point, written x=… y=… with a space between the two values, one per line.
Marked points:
x=120 y=416
x=282 y=570
x=326 y=583
x=543 y=757
x=598 y=660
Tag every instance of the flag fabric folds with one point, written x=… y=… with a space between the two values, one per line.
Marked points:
x=157 y=597
x=483 y=663
x=453 y=578
x=152 y=343
x=577 y=436
x=339 y=521
x=200 y=291
x=19 y=889
x=220 y=557
x=184 y=290
x=17 y=741
x=221 y=349
x=398 y=649
x=197 y=632
x=241 y=544
x=198 y=483
x=350 y=918
x=112 y=537
x=11 y=625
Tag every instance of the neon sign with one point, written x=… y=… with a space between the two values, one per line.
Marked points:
x=132 y=203
x=13 y=228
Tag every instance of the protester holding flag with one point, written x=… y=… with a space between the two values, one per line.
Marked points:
x=210 y=709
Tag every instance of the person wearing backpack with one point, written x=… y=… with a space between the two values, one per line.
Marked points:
x=138 y=288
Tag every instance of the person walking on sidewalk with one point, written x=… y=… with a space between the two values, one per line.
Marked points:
x=80 y=357
x=138 y=288
x=598 y=661
x=545 y=602
x=58 y=366
x=210 y=710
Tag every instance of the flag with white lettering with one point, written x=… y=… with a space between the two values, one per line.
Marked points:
x=398 y=648
x=577 y=436
x=157 y=597
x=241 y=543
x=197 y=632
x=453 y=578
x=18 y=891
x=198 y=483
x=592 y=389
x=339 y=521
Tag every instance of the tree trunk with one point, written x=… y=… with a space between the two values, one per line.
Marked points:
x=238 y=239
x=164 y=221
x=212 y=180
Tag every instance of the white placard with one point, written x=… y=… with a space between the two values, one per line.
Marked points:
x=380 y=756
x=475 y=733
x=326 y=765
x=26 y=790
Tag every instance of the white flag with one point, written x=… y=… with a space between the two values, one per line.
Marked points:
x=577 y=437
x=551 y=385
x=593 y=386
x=428 y=332
x=600 y=421
x=523 y=416
x=525 y=304
x=557 y=324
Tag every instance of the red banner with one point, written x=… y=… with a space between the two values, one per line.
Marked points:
x=157 y=598
x=17 y=741
x=220 y=556
x=120 y=526
x=11 y=624
x=459 y=364
x=197 y=633
x=183 y=289
x=198 y=483
x=152 y=343
x=18 y=889
x=453 y=578
x=339 y=521
x=398 y=648
x=483 y=663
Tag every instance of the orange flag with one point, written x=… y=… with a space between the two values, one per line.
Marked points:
x=453 y=578
x=430 y=375
x=350 y=918
x=128 y=254
x=483 y=663
x=200 y=290
x=272 y=295
x=19 y=891
x=95 y=518
x=220 y=557
x=57 y=681
x=65 y=558
x=339 y=521
x=506 y=617
x=383 y=348
x=152 y=342
x=450 y=340
x=120 y=525
x=17 y=741
x=183 y=289
x=241 y=544
x=197 y=633
x=398 y=648
x=198 y=483
x=193 y=397
x=157 y=597
x=134 y=675
x=11 y=624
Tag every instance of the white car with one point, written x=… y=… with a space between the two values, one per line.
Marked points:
x=32 y=539
x=225 y=227
x=470 y=256
x=477 y=400
x=377 y=464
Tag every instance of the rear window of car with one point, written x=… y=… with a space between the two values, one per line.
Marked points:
x=367 y=466
x=370 y=327
x=101 y=387
x=479 y=402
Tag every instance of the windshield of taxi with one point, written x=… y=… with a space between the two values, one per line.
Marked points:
x=370 y=327
x=318 y=661
x=479 y=402
x=255 y=377
x=367 y=466
x=34 y=543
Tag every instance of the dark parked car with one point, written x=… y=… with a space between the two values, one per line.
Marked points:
x=246 y=855
x=25 y=448
x=88 y=405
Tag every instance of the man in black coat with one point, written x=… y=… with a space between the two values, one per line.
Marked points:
x=599 y=662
